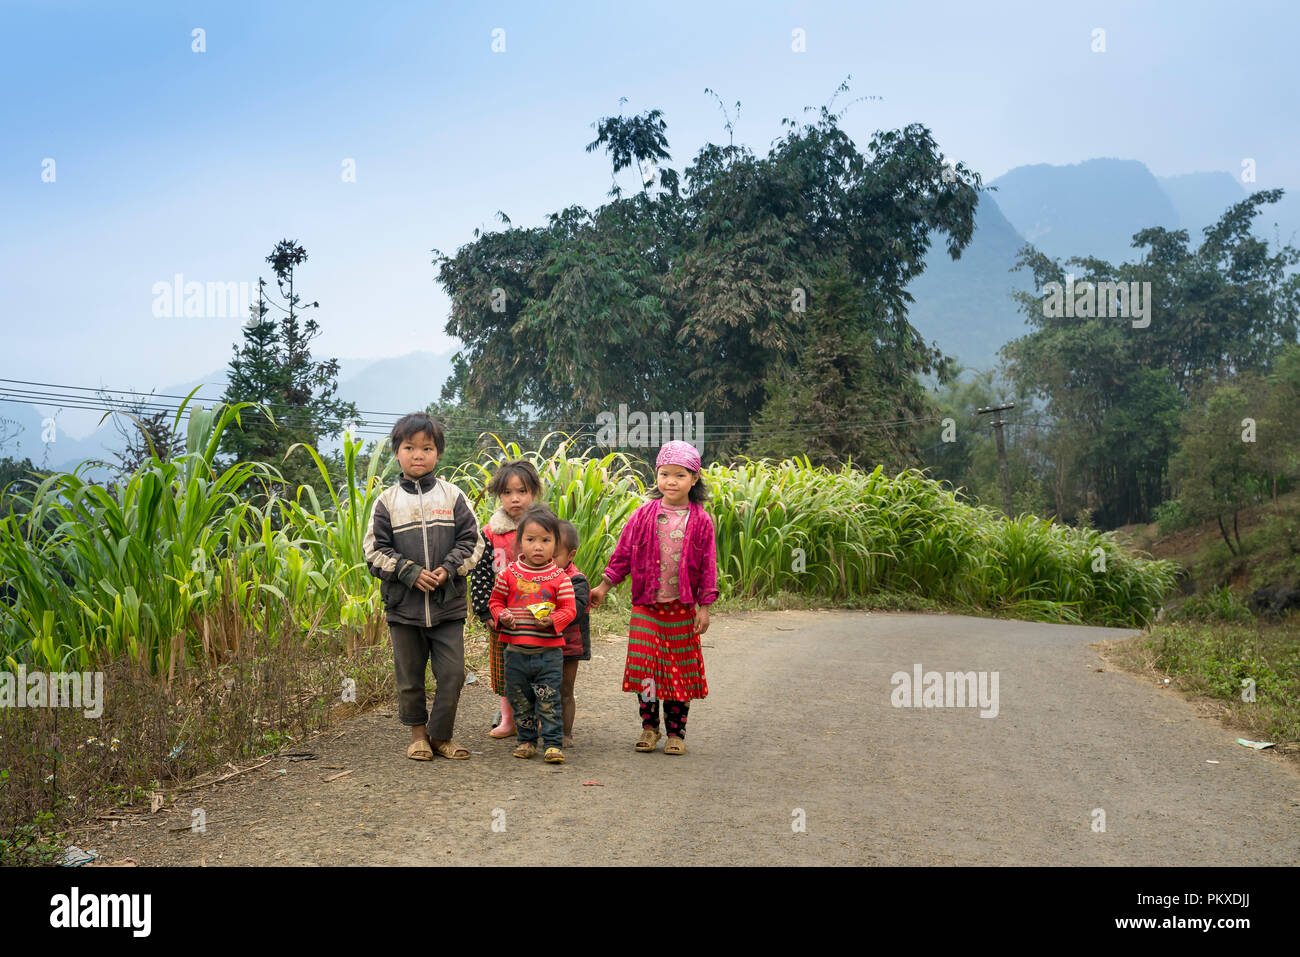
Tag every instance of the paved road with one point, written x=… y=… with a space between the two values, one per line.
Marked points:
x=800 y=717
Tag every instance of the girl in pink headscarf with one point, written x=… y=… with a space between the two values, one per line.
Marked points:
x=668 y=548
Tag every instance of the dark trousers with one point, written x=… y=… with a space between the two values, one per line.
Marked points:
x=414 y=647
x=533 y=686
x=674 y=715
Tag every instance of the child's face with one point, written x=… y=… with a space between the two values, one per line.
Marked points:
x=563 y=556
x=535 y=544
x=516 y=497
x=417 y=455
x=675 y=482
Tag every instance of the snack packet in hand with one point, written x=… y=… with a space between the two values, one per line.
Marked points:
x=542 y=610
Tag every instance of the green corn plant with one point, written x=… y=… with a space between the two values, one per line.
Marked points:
x=174 y=565
x=596 y=494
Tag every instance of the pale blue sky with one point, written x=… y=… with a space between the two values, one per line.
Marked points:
x=170 y=161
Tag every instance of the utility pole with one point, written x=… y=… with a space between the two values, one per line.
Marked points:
x=1003 y=475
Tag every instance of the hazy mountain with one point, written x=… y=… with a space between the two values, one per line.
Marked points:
x=23 y=428
x=396 y=386
x=1090 y=208
x=965 y=305
x=1201 y=198
x=1085 y=209
x=387 y=388
x=213 y=385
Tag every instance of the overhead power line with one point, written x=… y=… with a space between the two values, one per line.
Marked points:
x=103 y=399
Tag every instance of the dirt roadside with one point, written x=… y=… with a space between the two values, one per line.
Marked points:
x=799 y=726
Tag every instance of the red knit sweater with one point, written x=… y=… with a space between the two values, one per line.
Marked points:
x=519 y=586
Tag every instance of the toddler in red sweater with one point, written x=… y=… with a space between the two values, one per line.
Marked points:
x=531 y=604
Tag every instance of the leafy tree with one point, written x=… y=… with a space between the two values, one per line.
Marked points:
x=143 y=433
x=9 y=431
x=468 y=434
x=688 y=299
x=274 y=368
x=969 y=461
x=16 y=476
x=1279 y=423
x=1116 y=392
x=1216 y=470
x=638 y=139
x=837 y=384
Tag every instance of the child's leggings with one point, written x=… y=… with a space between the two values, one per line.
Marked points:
x=674 y=715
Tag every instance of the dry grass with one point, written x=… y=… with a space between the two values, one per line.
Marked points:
x=1207 y=662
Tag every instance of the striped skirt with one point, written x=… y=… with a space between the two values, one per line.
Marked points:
x=662 y=646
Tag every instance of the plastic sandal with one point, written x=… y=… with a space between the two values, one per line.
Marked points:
x=525 y=750
x=450 y=749
x=674 y=745
x=554 y=756
x=419 y=751
x=649 y=738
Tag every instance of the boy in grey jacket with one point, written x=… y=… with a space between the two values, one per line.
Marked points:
x=422 y=541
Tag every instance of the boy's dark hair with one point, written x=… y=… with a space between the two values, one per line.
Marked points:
x=414 y=424
x=522 y=468
x=568 y=537
x=699 y=493
x=540 y=515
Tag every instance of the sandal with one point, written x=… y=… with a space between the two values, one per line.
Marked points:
x=419 y=751
x=674 y=745
x=526 y=750
x=554 y=756
x=450 y=749
x=649 y=738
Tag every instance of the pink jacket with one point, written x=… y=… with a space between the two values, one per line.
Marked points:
x=638 y=552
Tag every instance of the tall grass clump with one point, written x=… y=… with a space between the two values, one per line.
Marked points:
x=843 y=534
x=173 y=565
x=597 y=493
x=223 y=630
x=95 y=573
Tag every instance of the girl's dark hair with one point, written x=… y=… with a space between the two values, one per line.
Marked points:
x=568 y=536
x=522 y=468
x=414 y=424
x=540 y=515
x=699 y=493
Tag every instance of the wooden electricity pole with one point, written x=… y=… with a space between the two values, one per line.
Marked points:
x=1003 y=475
